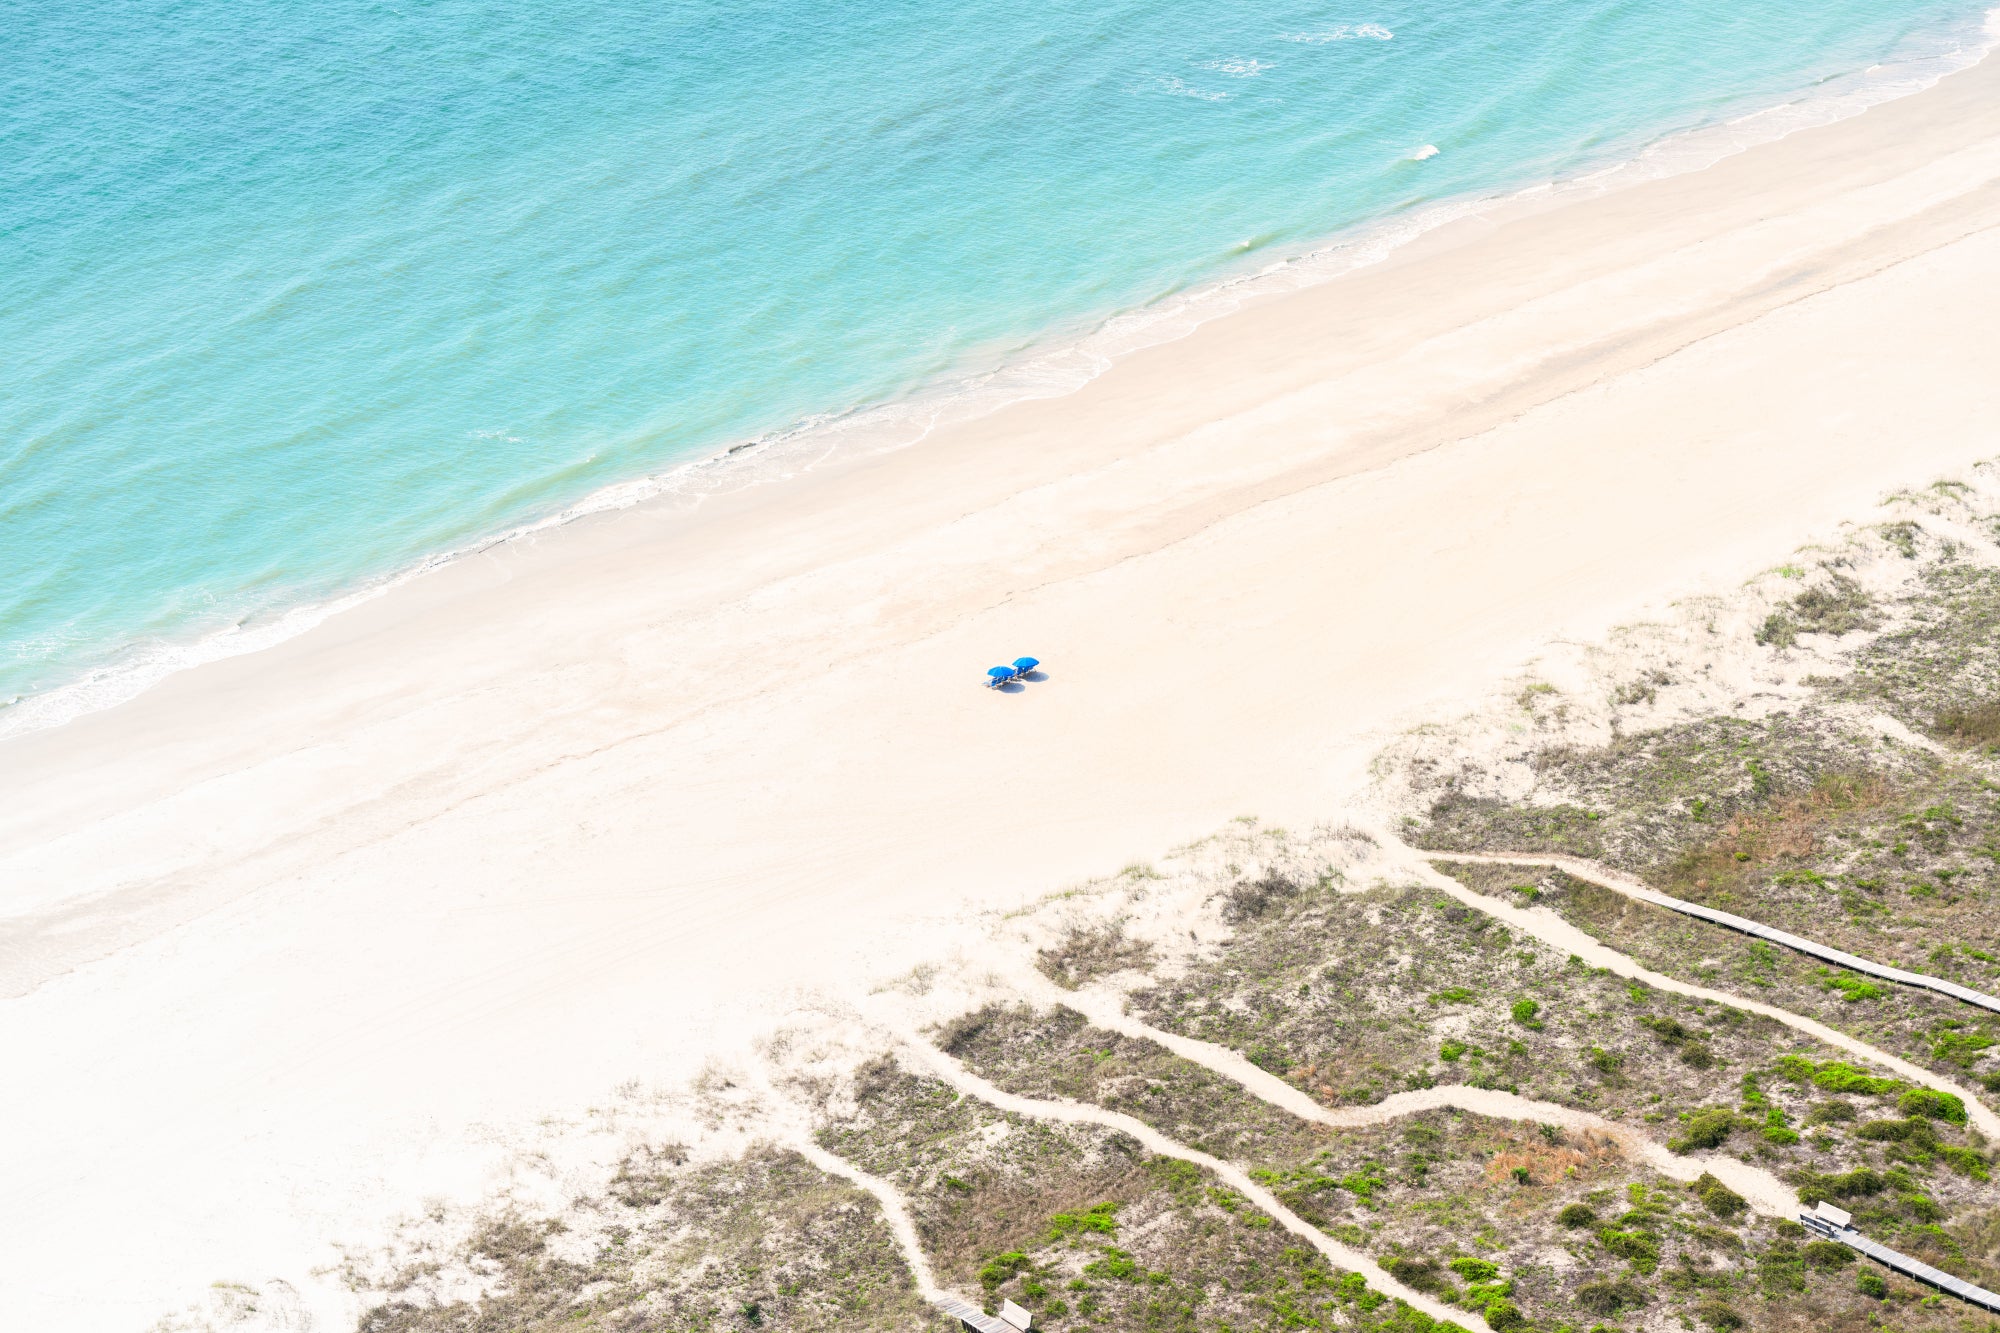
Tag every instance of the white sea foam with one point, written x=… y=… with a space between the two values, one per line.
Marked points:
x=1697 y=147
x=1179 y=89
x=1061 y=365
x=1236 y=67
x=1419 y=154
x=1346 y=32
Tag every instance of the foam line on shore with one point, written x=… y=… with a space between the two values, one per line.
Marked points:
x=1055 y=366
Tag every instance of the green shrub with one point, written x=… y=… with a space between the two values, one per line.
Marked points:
x=1959 y=1047
x=1608 y=1298
x=1002 y=1268
x=1364 y=1183
x=1852 y=988
x=1777 y=631
x=1932 y=1105
x=1839 y=1076
x=1813 y=1186
x=1705 y=1129
x=1419 y=1274
x=1524 y=1012
x=1475 y=1270
x=1870 y=1284
x=1115 y=1263
x=1577 y=1215
x=1183 y=1178
x=1669 y=1030
x=1827 y=1255
x=1452 y=1049
x=1941 y=1238
x=1922 y=1207
x=1503 y=1315
x=1914 y=1130
x=1964 y=1161
x=1781 y=1267
x=1634 y=1247
x=1269 y=1059
x=1101 y=1219
x=1717 y=1197
x=1718 y=1316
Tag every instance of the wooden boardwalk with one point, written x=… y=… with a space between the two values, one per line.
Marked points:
x=1833 y=1229
x=971 y=1316
x=1797 y=943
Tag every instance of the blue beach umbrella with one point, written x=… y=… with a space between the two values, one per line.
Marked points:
x=1000 y=675
x=1024 y=665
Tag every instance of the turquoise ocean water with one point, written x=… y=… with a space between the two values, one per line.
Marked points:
x=296 y=296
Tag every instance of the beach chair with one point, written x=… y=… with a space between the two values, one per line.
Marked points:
x=998 y=676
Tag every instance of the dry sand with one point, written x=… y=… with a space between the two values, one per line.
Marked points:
x=291 y=941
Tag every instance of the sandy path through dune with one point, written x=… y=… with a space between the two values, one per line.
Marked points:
x=1765 y=1192
x=1557 y=933
x=895 y=1211
x=1605 y=877
x=963 y=1080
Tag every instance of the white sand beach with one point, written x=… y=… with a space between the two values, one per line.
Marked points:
x=290 y=942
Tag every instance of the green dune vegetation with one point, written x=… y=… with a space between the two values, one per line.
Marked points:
x=1813 y=816
x=1086 y=1227
x=764 y=1240
x=1504 y=1135
x=1356 y=996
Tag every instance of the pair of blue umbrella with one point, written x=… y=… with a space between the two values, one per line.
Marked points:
x=1000 y=675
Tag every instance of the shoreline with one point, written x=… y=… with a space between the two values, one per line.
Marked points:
x=291 y=938
x=965 y=395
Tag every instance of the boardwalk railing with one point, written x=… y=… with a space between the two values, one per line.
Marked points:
x=1844 y=959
